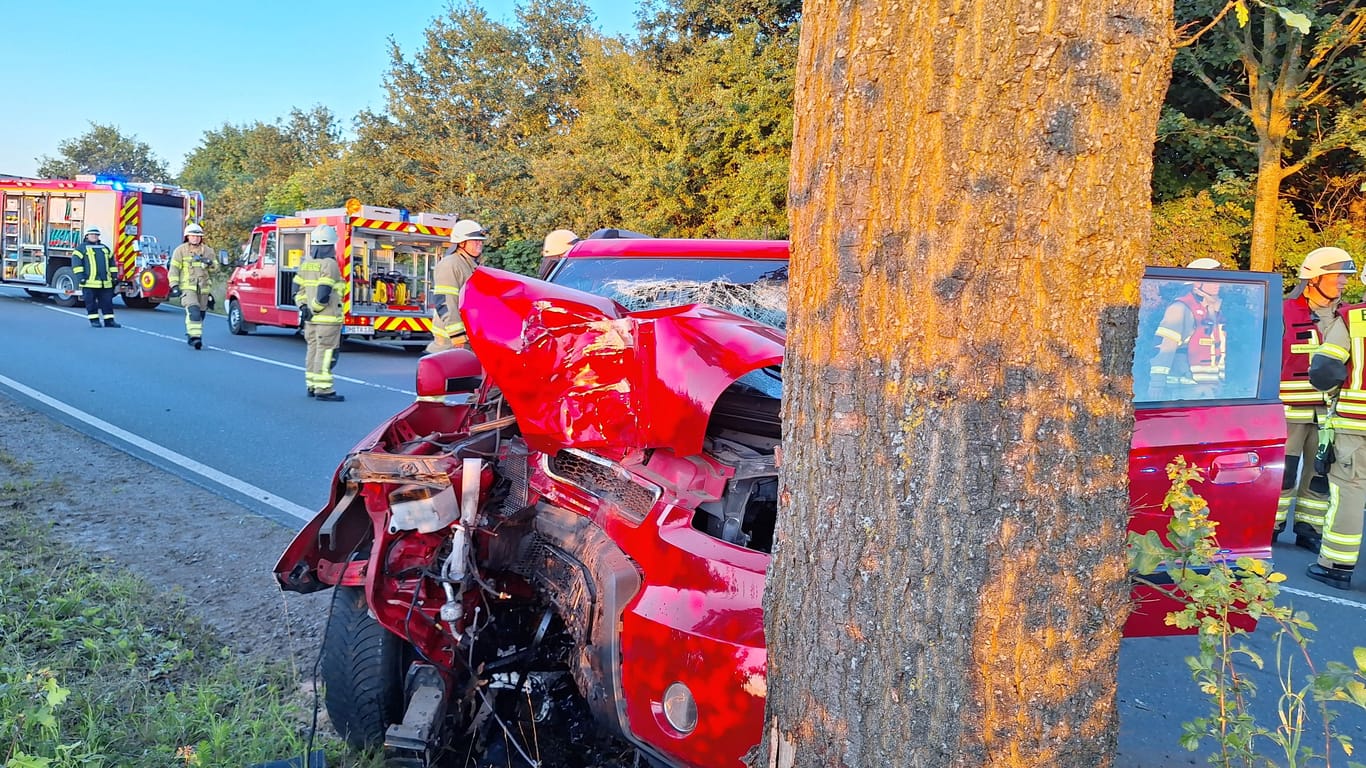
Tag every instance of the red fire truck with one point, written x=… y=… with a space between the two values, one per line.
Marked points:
x=386 y=257
x=44 y=219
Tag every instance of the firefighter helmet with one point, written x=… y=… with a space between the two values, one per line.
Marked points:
x=467 y=229
x=194 y=229
x=92 y=231
x=323 y=234
x=1205 y=262
x=1327 y=261
x=559 y=242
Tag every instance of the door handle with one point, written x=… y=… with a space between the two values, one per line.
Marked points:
x=1236 y=468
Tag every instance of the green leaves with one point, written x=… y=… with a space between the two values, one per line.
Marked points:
x=103 y=150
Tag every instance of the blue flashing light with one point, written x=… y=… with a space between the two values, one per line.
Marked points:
x=115 y=182
x=270 y=218
x=403 y=214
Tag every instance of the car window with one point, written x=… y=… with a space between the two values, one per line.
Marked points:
x=753 y=288
x=1199 y=340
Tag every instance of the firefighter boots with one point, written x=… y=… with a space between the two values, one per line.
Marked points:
x=94 y=323
x=1306 y=537
x=110 y=322
x=195 y=342
x=1338 y=577
x=311 y=393
x=331 y=397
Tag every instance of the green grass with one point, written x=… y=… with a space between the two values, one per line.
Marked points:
x=99 y=669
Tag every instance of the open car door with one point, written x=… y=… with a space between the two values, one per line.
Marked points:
x=1214 y=400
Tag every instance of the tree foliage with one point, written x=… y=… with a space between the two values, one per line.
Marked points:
x=104 y=151
x=1283 y=82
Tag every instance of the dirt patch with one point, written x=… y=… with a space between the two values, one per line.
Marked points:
x=177 y=536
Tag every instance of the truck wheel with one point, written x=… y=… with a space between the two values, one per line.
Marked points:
x=64 y=279
x=237 y=325
x=362 y=670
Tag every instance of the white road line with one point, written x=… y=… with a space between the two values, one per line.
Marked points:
x=244 y=355
x=185 y=462
x=1325 y=598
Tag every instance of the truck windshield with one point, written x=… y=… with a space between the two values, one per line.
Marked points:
x=752 y=288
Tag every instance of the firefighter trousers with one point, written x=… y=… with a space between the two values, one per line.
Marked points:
x=196 y=305
x=1310 y=495
x=1342 y=523
x=323 y=340
x=99 y=302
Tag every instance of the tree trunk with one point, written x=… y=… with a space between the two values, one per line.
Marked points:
x=970 y=215
x=1266 y=206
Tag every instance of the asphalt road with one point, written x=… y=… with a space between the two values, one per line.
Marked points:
x=233 y=418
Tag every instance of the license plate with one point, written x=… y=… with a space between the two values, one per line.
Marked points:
x=358 y=330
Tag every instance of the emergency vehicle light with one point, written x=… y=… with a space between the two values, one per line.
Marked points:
x=271 y=218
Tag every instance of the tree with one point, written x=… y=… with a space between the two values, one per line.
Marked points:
x=103 y=151
x=970 y=215
x=1292 y=75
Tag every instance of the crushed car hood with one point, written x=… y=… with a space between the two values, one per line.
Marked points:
x=580 y=371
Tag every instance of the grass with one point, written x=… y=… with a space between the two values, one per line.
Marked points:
x=99 y=669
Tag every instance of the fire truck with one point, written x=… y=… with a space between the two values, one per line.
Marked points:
x=44 y=220
x=386 y=257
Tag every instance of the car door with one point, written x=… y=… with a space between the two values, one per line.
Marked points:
x=1215 y=402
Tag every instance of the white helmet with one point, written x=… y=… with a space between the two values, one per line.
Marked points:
x=92 y=231
x=1205 y=262
x=467 y=229
x=1327 y=260
x=194 y=229
x=323 y=234
x=558 y=243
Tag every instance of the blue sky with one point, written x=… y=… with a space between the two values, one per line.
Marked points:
x=166 y=72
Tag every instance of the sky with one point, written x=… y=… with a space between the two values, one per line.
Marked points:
x=165 y=72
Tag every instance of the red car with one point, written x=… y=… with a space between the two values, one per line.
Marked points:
x=577 y=516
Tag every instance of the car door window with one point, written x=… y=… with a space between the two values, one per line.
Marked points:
x=1203 y=336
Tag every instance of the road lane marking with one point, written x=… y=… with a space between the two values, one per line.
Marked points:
x=1325 y=598
x=184 y=462
x=257 y=358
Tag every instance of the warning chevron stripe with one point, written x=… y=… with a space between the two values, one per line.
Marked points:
x=411 y=324
x=130 y=221
x=398 y=226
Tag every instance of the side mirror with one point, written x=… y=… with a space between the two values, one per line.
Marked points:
x=453 y=372
x=223 y=257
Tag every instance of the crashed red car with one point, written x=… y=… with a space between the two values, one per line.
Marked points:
x=572 y=523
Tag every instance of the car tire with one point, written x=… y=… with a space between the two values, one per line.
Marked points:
x=362 y=669
x=237 y=325
x=64 y=279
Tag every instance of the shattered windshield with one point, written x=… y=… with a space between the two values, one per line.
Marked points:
x=752 y=288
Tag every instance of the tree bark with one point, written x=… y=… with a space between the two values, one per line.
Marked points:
x=970 y=215
x=1266 y=206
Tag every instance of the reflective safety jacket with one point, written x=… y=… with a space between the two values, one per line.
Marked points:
x=1344 y=347
x=448 y=277
x=1299 y=340
x=320 y=286
x=190 y=267
x=1197 y=335
x=94 y=265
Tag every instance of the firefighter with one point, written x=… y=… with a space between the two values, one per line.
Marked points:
x=555 y=245
x=1189 y=360
x=93 y=263
x=191 y=264
x=1310 y=312
x=319 y=299
x=448 y=277
x=1337 y=368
